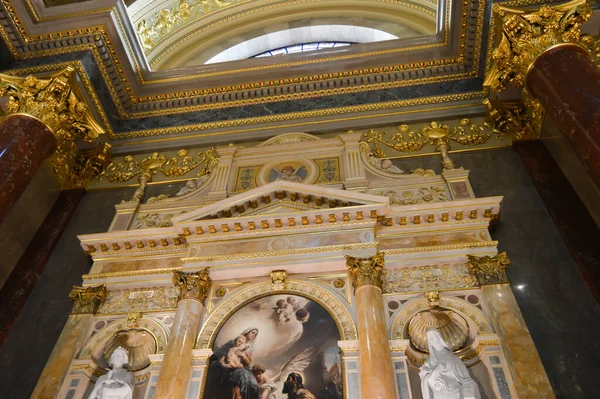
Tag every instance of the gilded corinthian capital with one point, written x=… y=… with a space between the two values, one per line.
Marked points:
x=87 y=299
x=53 y=99
x=522 y=35
x=192 y=285
x=489 y=269
x=366 y=271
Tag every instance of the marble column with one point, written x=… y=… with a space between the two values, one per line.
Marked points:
x=544 y=52
x=44 y=114
x=523 y=360
x=376 y=373
x=73 y=337
x=174 y=376
x=24 y=143
x=567 y=83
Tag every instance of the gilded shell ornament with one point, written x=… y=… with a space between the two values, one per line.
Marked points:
x=139 y=343
x=452 y=326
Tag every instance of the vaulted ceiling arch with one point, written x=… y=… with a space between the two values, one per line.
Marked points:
x=173 y=36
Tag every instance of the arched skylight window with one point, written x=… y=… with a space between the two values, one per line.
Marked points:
x=296 y=40
x=299 y=48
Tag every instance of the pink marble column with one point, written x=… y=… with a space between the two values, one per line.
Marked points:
x=174 y=376
x=70 y=342
x=376 y=373
x=525 y=365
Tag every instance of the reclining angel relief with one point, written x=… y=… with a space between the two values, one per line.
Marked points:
x=277 y=347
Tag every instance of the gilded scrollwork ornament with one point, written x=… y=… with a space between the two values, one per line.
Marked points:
x=87 y=299
x=183 y=163
x=511 y=119
x=192 y=285
x=366 y=271
x=489 y=269
x=435 y=134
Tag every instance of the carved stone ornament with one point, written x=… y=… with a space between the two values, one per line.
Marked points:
x=524 y=35
x=192 y=285
x=366 y=271
x=87 y=299
x=489 y=269
x=279 y=279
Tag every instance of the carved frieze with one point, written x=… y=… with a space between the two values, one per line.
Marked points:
x=430 y=277
x=152 y=220
x=139 y=300
x=420 y=195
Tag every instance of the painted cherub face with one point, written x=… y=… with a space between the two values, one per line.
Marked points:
x=239 y=341
x=291 y=301
x=288 y=170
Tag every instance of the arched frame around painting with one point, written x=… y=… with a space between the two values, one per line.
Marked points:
x=329 y=302
x=339 y=312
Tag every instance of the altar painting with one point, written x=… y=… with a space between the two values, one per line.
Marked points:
x=277 y=347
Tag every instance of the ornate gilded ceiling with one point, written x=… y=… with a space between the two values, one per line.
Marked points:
x=143 y=103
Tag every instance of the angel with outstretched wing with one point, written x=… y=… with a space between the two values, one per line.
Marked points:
x=271 y=386
x=288 y=173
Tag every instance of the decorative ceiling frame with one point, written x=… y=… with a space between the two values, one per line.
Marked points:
x=30 y=31
x=37 y=35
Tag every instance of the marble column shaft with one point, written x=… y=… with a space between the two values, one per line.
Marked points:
x=24 y=143
x=523 y=360
x=70 y=342
x=567 y=83
x=376 y=373
x=174 y=376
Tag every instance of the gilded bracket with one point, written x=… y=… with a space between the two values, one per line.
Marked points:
x=279 y=279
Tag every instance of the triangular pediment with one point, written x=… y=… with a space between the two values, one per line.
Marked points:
x=281 y=197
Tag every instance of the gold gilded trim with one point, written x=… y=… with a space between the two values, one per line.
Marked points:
x=433 y=248
x=280 y=253
x=315 y=292
x=132 y=273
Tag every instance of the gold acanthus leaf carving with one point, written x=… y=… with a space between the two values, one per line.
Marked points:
x=119 y=172
x=511 y=118
x=87 y=299
x=192 y=285
x=55 y=100
x=489 y=269
x=524 y=35
x=366 y=271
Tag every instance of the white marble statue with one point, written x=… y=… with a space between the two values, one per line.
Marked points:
x=118 y=382
x=444 y=376
x=385 y=165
